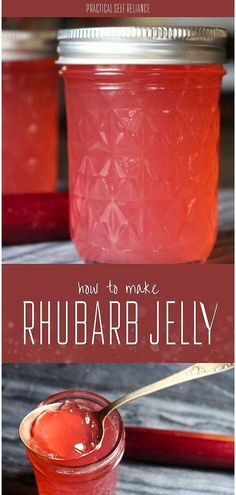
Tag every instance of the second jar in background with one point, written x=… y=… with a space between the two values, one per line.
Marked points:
x=30 y=112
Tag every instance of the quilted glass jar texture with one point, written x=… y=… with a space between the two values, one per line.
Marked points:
x=143 y=161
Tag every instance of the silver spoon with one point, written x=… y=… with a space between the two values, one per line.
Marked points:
x=191 y=373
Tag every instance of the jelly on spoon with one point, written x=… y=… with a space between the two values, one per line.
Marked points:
x=62 y=431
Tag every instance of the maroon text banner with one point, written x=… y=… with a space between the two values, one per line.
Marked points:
x=113 y=8
x=117 y=313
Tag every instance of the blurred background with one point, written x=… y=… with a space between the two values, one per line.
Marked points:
x=227 y=133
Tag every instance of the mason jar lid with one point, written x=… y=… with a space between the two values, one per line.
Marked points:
x=142 y=45
x=28 y=45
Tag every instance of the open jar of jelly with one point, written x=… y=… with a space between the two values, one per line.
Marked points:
x=50 y=438
x=143 y=135
x=30 y=112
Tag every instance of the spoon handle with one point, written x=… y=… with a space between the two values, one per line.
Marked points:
x=191 y=373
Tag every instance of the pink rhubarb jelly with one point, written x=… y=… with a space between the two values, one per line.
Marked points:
x=56 y=439
x=143 y=134
x=30 y=113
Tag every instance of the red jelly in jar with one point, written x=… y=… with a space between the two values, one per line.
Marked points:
x=30 y=112
x=143 y=132
x=56 y=438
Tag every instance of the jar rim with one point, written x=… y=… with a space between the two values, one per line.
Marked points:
x=20 y=45
x=114 y=454
x=142 y=45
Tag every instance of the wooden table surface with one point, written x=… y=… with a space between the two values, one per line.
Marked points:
x=203 y=405
x=64 y=251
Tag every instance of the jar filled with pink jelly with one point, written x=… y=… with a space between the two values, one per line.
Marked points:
x=30 y=112
x=50 y=437
x=143 y=135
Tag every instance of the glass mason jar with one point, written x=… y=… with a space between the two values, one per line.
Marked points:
x=95 y=474
x=30 y=112
x=143 y=134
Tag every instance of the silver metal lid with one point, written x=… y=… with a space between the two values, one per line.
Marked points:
x=28 y=45
x=142 y=45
